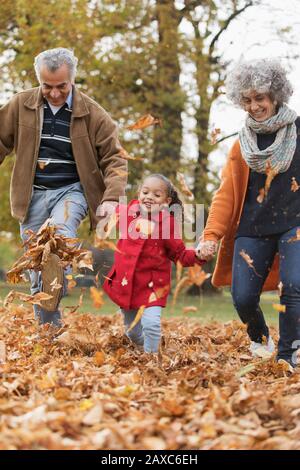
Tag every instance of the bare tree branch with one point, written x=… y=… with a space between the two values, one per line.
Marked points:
x=226 y=137
x=227 y=23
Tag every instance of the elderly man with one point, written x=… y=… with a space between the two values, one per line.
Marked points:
x=67 y=152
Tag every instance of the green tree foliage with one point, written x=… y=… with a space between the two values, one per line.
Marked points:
x=130 y=61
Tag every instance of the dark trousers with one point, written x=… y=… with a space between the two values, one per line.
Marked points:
x=247 y=286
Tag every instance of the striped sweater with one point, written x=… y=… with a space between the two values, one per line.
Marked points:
x=56 y=166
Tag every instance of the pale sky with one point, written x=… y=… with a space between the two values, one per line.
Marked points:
x=253 y=35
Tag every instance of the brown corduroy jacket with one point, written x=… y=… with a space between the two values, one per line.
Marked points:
x=224 y=217
x=95 y=145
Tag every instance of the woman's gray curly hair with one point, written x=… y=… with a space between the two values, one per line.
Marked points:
x=262 y=75
x=53 y=59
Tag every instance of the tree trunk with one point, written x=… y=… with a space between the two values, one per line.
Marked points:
x=170 y=98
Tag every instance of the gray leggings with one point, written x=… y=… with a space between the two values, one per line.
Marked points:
x=147 y=331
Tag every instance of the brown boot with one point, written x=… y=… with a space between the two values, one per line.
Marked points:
x=52 y=271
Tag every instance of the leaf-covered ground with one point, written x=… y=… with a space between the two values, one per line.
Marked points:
x=89 y=388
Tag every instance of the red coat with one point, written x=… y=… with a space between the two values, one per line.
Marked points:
x=144 y=265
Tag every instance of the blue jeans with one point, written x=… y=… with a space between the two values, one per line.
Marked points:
x=147 y=331
x=66 y=216
x=247 y=287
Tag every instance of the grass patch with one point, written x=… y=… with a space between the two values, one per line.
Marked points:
x=210 y=308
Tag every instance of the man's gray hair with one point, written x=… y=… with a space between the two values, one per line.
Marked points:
x=262 y=75
x=53 y=59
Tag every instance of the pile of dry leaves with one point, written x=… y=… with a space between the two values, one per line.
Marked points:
x=87 y=387
x=39 y=245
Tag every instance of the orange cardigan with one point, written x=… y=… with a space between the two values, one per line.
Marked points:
x=224 y=217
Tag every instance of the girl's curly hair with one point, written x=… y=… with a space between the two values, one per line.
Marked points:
x=172 y=192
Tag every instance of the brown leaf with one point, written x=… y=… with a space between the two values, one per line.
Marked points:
x=171 y=408
x=86 y=261
x=190 y=308
x=260 y=198
x=249 y=261
x=137 y=318
x=32 y=299
x=296 y=238
x=214 y=136
x=158 y=293
x=144 y=122
x=271 y=173
x=184 y=187
x=41 y=165
x=40 y=244
x=124 y=154
x=294 y=185
x=62 y=393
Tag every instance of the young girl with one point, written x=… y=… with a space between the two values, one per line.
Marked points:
x=141 y=274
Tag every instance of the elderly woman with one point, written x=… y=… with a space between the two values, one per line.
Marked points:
x=256 y=211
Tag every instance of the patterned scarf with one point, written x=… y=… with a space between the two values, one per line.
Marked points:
x=280 y=154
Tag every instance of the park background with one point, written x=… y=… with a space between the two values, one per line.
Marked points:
x=166 y=58
x=89 y=388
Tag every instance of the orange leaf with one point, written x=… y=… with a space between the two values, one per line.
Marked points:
x=137 y=318
x=271 y=173
x=71 y=284
x=197 y=275
x=143 y=122
x=158 y=293
x=189 y=309
x=97 y=297
x=62 y=393
x=279 y=308
x=99 y=358
x=41 y=165
x=294 y=186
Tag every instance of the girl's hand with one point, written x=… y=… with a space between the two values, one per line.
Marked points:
x=206 y=249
